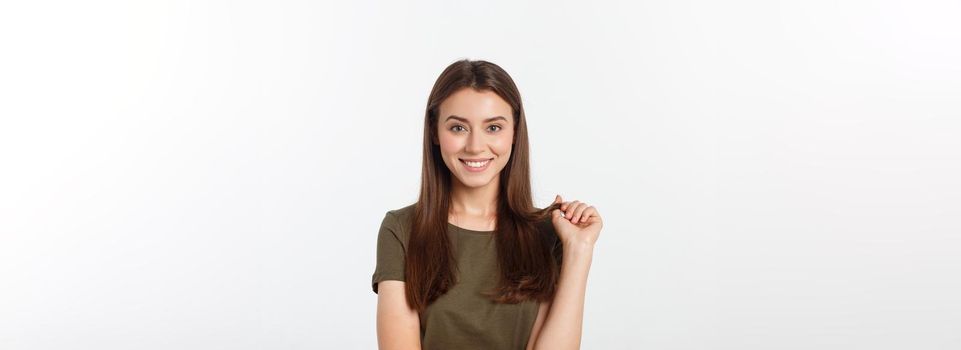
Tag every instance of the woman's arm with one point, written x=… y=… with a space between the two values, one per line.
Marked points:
x=542 y=311
x=398 y=326
x=562 y=324
x=578 y=226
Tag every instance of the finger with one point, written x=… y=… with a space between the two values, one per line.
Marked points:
x=596 y=217
x=569 y=212
x=555 y=213
x=581 y=213
x=567 y=207
x=589 y=214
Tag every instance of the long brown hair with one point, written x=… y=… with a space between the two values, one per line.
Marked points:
x=528 y=270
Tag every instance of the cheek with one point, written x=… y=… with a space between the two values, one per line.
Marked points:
x=503 y=143
x=448 y=144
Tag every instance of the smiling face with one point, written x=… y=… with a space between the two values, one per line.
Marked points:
x=475 y=131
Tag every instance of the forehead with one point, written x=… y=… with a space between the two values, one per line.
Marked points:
x=474 y=105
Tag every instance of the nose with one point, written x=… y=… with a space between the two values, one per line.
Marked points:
x=475 y=143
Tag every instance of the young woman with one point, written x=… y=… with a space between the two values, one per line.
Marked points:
x=473 y=264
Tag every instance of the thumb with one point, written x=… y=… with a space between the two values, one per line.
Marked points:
x=556 y=214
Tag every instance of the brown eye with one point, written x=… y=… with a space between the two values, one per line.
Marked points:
x=495 y=126
x=456 y=126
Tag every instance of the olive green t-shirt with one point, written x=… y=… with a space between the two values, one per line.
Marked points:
x=462 y=318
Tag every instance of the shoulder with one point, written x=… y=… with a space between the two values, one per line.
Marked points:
x=402 y=214
x=398 y=220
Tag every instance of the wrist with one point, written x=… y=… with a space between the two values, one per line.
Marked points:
x=579 y=248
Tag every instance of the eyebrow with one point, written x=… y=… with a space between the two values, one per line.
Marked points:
x=485 y=120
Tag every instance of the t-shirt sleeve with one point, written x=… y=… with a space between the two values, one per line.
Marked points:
x=390 y=252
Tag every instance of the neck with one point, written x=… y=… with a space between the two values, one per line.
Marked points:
x=474 y=201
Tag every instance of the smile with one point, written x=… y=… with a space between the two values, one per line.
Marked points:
x=476 y=166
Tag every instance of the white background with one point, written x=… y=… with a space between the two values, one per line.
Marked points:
x=212 y=175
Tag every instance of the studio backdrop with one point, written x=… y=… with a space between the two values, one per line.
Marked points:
x=212 y=174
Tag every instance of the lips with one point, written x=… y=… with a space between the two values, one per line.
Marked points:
x=476 y=164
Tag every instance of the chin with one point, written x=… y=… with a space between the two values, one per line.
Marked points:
x=476 y=182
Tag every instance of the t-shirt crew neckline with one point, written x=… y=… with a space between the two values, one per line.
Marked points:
x=450 y=225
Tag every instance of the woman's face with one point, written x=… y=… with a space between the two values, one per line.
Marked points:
x=475 y=126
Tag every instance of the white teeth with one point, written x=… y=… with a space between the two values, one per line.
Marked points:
x=476 y=164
